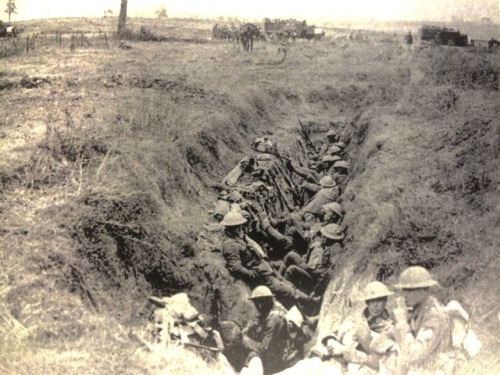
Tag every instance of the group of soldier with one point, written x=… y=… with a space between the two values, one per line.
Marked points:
x=291 y=254
x=281 y=227
x=287 y=263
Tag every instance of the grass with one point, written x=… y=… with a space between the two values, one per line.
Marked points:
x=109 y=156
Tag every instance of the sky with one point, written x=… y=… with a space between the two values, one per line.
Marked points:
x=325 y=10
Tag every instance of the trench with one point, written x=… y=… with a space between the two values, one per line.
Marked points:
x=157 y=238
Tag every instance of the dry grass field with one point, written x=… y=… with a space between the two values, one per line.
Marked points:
x=108 y=158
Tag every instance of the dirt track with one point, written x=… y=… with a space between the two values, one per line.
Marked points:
x=108 y=158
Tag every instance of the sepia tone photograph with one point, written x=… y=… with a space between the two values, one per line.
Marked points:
x=264 y=188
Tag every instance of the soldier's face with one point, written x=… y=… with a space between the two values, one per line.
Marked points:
x=309 y=217
x=376 y=306
x=292 y=329
x=413 y=297
x=325 y=241
x=263 y=306
x=241 y=230
x=329 y=216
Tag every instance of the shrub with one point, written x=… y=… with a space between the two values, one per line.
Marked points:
x=461 y=69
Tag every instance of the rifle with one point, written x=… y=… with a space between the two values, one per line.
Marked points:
x=157 y=301
x=306 y=137
x=210 y=348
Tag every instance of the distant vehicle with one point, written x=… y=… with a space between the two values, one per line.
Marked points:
x=290 y=29
x=8 y=31
x=443 y=36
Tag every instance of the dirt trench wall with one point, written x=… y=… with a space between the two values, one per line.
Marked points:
x=137 y=227
x=420 y=193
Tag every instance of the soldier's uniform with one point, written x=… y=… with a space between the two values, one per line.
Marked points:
x=424 y=335
x=244 y=263
x=266 y=339
x=425 y=340
x=329 y=193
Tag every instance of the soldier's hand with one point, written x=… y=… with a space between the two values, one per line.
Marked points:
x=335 y=348
x=400 y=312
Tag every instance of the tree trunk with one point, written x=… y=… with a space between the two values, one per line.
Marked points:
x=122 y=20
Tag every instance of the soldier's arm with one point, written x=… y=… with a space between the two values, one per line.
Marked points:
x=305 y=173
x=233 y=262
x=272 y=328
x=284 y=241
x=311 y=187
x=415 y=349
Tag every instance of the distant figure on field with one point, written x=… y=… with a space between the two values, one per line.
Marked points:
x=409 y=39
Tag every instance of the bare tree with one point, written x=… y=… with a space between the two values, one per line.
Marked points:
x=11 y=7
x=122 y=20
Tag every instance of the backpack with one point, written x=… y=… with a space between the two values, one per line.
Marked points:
x=463 y=337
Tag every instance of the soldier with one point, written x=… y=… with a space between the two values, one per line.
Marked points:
x=353 y=343
x=332 y=213
x=310 y=273
x=245 y=261
x=265 y=337
x=366 y=339
x=340 y=171
x=331 y=137
x=329 y=193
x=423 y=327
x=298 y=335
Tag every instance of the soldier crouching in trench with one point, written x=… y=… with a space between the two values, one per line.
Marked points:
x=276 y=339
x=362 y=345
x=245 y=262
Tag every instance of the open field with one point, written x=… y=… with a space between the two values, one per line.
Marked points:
x=108 y=158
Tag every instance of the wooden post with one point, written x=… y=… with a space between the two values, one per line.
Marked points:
x=27 y=44
x=106 y=39
x=72 y=45
x=60 y=39
x=81 y=39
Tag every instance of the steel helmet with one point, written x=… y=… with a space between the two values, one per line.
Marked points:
x=327 y=182
x=221 y=208
x=330 y=158
x=261 y=291
x=234 y=197
x=295 y=316
x=335 y=207
x=332 y=231
x=415 y=277
x=375 y=290
x=233 y=218
x=331 y=133
x=342 y=164
x=334 y=149
x=263 y=144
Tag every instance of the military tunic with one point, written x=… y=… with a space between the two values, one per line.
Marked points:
x=425 y=340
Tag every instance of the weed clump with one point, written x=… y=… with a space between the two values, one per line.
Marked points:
x=461 y=69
